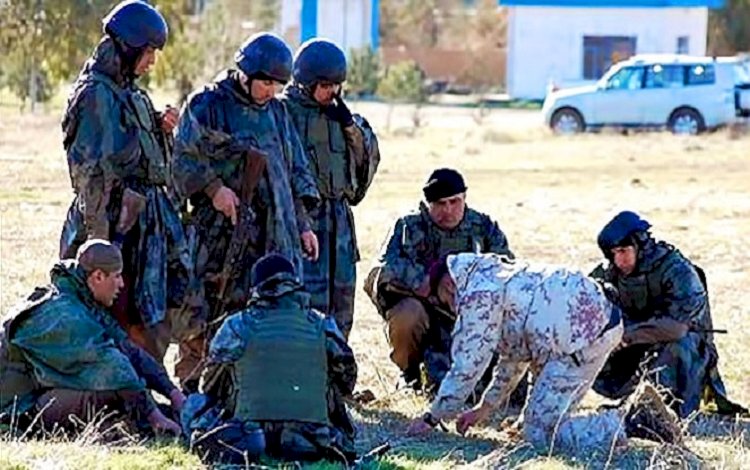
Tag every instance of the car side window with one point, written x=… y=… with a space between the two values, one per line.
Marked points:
x=629 y=78
x=701 y=74
x=665 y=76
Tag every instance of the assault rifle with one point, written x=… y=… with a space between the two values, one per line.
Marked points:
x=255 y=165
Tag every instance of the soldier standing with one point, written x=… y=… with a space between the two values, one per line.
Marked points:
x=344 y=154
x=232 y=125
x=118 y=150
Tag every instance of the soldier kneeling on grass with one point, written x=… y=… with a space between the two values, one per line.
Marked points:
x=557 y=323
x=275 y=380
x=63 y=356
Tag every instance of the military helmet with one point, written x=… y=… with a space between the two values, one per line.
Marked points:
x=137 y=24
x=268 y=267
x=319 y=60
x=619 y=230
x=265 y=55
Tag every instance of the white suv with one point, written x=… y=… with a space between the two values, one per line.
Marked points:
x=686 y=94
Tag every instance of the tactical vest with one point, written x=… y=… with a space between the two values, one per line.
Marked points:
x=466 y=237
x=326 y=146
x=282 y=376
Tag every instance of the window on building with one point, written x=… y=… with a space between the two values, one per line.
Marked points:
x=683 y=45
x=701 y=74
x=600 y=52
x=665 y=76
x=628 y=78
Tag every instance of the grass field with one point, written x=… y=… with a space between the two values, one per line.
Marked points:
x=550 y=196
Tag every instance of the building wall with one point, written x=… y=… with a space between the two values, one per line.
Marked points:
x=546 y=43
x=348 y=23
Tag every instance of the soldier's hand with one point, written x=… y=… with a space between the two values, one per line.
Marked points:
x=472 y=417
x=226 y=202
x=339 y=112
x=310 y=245
x=169 y=119
x=162 y=424
x=177 y=399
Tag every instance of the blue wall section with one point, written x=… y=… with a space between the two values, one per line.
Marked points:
x=375 y=24
x=615 y=3
x=309 y=21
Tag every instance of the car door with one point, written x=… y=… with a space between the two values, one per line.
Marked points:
x=663 y=87
x=613 y=104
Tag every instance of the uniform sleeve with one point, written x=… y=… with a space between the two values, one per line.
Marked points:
x=496 y=241
x=148 y=368
x=400 y=269
x=96 y=143
x=505 y=379
x=342 y=367
x=195 y=144
x=684 y=298
x=474 y=341
x=364 y=155
x=230 y=341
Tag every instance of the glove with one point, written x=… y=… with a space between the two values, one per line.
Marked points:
x=339 y=112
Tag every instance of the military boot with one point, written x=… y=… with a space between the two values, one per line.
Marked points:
x=648 y=417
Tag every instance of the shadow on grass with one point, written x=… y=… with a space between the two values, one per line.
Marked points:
x=721 y=428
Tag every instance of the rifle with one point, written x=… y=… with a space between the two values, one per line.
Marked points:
x=131 y=207
x=255 y=165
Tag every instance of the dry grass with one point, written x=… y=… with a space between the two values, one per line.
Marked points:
x=550 y=195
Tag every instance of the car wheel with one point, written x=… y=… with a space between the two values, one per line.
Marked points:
x=567 y=121
x=686 y=121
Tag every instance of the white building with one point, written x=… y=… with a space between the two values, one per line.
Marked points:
x=348 y=23
x=573 y=42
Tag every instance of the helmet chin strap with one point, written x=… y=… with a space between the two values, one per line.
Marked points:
x=128 y=56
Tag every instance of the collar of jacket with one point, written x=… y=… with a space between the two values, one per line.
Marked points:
x=68 y=277
x=107 y=61
x=300 y=95
x=228 y=81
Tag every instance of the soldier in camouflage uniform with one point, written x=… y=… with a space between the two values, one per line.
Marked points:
x=221 y=127
x=344 y=154
x=62 y=353
x=277 y=374
x=668 y=326
x=557 y=323
x=118 y=146
x=419 y=325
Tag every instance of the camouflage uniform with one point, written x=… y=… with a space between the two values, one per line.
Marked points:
x=217 y=126
x=344 y=160
x=113 y=142
x=61 y=343
x=664 y=286
x=419 y=328
x=555 y=322
x=310 y=422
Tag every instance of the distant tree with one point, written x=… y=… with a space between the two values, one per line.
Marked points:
x=729 y=28
x=403 y=83
x=363 y=71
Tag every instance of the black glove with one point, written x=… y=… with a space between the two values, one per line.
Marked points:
x=339 y=112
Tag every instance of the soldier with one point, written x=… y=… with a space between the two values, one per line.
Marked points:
x=279 y=370
x=62 y=353
x=228 y=127
x=344 y=153
x=668 y=325
x=118 y=148
x=554 y=321
x=419 y=325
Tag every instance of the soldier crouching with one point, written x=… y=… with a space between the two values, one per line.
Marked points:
x=275 y=380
